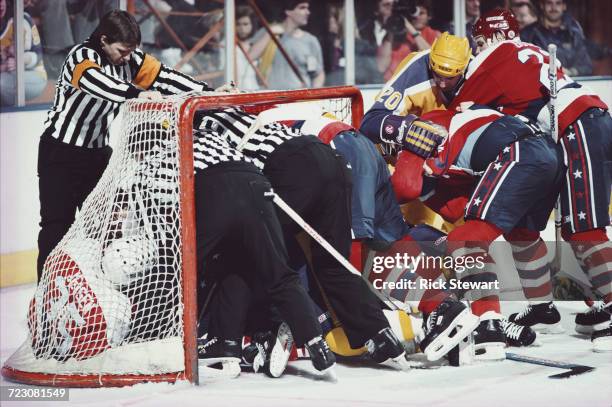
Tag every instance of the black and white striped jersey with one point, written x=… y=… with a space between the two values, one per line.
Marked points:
x=236 y=126
x=90 y=91
x=210 y=148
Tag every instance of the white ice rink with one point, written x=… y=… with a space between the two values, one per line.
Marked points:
x=501 y=384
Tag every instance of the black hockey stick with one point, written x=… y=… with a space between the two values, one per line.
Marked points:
x=572 y=369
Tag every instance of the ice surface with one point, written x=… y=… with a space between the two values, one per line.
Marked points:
x=498 y=384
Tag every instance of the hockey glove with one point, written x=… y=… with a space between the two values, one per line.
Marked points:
x=393 y=127
x=423 y=138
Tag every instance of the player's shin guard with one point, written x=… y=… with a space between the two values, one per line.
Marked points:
x=530 y=258
x=469 y=246
x=593 y=249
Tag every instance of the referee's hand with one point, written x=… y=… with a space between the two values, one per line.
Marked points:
x=150 y=95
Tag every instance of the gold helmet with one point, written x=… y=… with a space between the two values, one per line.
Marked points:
x=449 y=55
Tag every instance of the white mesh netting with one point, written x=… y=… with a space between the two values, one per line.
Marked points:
x=110 y=299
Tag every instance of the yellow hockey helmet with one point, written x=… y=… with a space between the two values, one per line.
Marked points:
x=449 y=55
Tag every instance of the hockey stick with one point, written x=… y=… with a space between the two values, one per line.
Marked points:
x=572 y=369
x=554 y=131
x=330 y=249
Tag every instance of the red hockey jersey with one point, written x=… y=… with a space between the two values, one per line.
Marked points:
x=513 y=77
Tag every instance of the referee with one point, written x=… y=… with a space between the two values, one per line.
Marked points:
x=97 y=77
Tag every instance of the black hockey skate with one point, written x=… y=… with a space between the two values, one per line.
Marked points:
x=387 y=350
x=593 y=319
x=489 y=339
x=602 y=336
x=517 y=335
x=274 y=350
x=446 y=327
x=321 y=356
x=543 y=317
x=220 y=357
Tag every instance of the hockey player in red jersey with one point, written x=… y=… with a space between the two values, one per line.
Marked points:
x=518 y=174
x=511 y=76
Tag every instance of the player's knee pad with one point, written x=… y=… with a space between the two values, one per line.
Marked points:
x=522 y=235
x=475 y=231
x=593 y=235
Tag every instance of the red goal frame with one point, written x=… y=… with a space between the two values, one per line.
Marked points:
x=189 y=273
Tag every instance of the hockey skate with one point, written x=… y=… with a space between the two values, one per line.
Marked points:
x=517 y=335
x=322 y=358
x=219 y=357
x=274 y=350
x=445 y=327
x=387 y=350
x=542 y=317
x=602 y=335
x=596 y=318
x=489 y=338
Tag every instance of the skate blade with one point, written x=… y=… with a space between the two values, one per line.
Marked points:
x=552 y=329
x=229 y=369
x=329 y=374
x=602 y=345
x=489 y=353
x=584 y=329
x=398 y=363
x=465 y=323
x=280 y=356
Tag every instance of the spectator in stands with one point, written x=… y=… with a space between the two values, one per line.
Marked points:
x=418 y=37
x=333 y=46
x=555 y=26
x=35 y=77
x=525 y=13
x=472 y=13
x=373 y=29
x=245 y=73
x=302 y=48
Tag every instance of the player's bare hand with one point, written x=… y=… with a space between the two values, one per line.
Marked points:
x=463 y=106
x=150 y=95
x=228 y=88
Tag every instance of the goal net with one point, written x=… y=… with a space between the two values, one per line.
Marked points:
x=116 y=303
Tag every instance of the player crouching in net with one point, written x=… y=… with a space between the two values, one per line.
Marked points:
x=315 y=181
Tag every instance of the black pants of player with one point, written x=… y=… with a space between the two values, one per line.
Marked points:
x=66 y=175
x=232 y=211
x=316 y=182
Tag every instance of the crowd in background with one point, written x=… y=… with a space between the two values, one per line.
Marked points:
x=188 y=35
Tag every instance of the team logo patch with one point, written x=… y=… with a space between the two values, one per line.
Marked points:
x=389 y=129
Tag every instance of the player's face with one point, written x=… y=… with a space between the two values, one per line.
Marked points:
x=446 y=84
x=299 y=14
x=244 y=27
x=481 y=44
x=117 y=53
x=553 y=9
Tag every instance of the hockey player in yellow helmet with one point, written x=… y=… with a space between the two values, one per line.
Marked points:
x=423 y=81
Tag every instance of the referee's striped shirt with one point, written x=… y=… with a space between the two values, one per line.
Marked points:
x=90 y=91
x=234 y=125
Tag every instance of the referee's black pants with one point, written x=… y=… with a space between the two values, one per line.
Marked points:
x=66 y=175
x=316 y=182
x=232 y=211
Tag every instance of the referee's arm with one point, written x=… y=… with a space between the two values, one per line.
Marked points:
x=149 y=73
x=84 y=72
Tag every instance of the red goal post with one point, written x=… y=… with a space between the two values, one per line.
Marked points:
x=117 y=302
